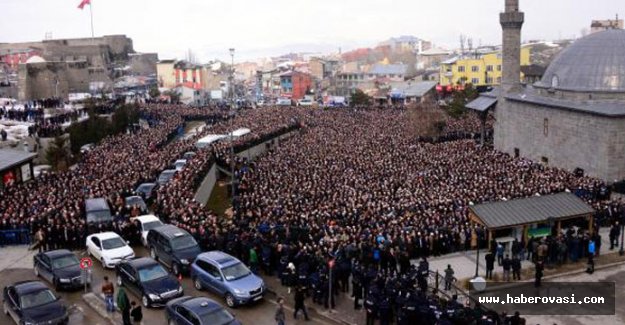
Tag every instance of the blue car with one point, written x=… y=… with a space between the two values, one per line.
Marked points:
x=228 y=277
x=198 y=311
x=32 y=302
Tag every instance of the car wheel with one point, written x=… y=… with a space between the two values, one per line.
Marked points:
x=57 y=284
x=119 y=281
x=197 y=284
x=175 y=269
x=36 y=270
x=103 y=264
x=230 y=301
x=145 y=301
x=153 y=254
x=5 y=308
x=171 y=322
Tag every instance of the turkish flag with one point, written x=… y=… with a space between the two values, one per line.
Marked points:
x=83 y=3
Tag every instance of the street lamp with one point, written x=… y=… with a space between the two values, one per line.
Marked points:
x=232 y=125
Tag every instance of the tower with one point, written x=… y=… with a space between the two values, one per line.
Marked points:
x=511 y=22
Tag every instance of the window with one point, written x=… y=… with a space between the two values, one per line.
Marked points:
x=475 y=68
x=555 y=81
x=489 y=80
x=475 y=81
x=499 y=67
x=460 y=68
x=498 y=80
x=489 y=68
x=517 y=153
x=546 y=127
x=545 y=160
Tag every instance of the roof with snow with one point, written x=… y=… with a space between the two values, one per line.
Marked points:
x=386 y=69
x=11 y=158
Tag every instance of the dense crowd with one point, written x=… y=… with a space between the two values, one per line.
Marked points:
x=351 y=186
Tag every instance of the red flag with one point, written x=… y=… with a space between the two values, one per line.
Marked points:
x=83 y=3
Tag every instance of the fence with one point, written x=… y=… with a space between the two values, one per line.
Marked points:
x=14 y=237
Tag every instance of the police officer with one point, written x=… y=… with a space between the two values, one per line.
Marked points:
x=371 y=305
x=385 y=310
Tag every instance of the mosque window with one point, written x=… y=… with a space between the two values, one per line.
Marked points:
x=555 y=82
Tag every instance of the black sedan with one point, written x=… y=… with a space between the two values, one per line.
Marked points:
x=32 y=303
x=59 y=267
x=198 y=311
x=147 y=279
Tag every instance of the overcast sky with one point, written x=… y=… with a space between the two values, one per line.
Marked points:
x=258 y=28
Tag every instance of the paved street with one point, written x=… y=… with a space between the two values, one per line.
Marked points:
x=16 y=266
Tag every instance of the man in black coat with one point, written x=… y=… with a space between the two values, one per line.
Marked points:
x=516 y=268
x=490 y=265
x=299 y=302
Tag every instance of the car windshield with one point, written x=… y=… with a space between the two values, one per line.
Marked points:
x=183 y=242
x=37 y=298
x=218 y=317
x=134 y=200
x=235 y=272
x=151 y=225
x=99 y=216
x=144 y=188
x=152 y=272
x=113 y=243
x=64 y=261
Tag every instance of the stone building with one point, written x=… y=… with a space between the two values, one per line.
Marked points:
x=574 y=117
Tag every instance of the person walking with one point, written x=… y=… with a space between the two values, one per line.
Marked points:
x=490 y=265
x=108 y=290
x=516 y=268
x=499 y=250
x=538 y=275
x=507 y=266
x=136 y=313
x=280 y=316
x=449 y=277
x=299 y=303
x=124 y=305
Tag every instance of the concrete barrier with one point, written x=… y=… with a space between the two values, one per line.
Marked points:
x=206 y=188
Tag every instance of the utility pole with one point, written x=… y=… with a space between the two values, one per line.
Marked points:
x=232 y=113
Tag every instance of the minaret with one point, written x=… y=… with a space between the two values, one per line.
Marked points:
x=511 y=22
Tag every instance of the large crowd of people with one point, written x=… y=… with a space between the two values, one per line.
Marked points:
x=351 y=186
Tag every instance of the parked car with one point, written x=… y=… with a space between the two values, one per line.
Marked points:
x=108 y=248
x=179 y=164
x=228 y=277
x=166 y=176
x=32 y=302
x=148 y=280
x=146 y=190
x=61 y=268
x=198 y=311
x=188 y=155
x=145 y=223
x=138 y=201
x=173 y=247
x=97 y=211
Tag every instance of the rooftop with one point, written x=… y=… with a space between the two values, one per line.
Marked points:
x=11 y=158
x=504 y=214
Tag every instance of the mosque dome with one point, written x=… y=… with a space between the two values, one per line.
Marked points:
x=595 y=63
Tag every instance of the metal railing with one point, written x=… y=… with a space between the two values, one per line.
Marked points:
x=14 y=237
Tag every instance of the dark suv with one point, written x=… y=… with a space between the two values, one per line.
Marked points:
x=148 y=280
x=173 y=247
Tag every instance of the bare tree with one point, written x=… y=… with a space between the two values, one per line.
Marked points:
x=425 y=120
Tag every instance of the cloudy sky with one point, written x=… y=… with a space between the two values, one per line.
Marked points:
x=258 y=28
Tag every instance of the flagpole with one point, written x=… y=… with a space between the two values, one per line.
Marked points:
x=91 y=12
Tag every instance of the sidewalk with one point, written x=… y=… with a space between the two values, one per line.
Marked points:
x=463 y=263
x=344 y=312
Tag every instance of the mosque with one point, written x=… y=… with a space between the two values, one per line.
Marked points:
x=574 y=117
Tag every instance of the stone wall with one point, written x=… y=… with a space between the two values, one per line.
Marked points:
x=568 y=139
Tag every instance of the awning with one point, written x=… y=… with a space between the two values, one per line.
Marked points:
x=482 y=103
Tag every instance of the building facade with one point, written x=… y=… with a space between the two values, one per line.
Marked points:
x=480 y=70
x=295 y=84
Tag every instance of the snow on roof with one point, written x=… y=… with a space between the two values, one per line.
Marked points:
x=35 y=59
